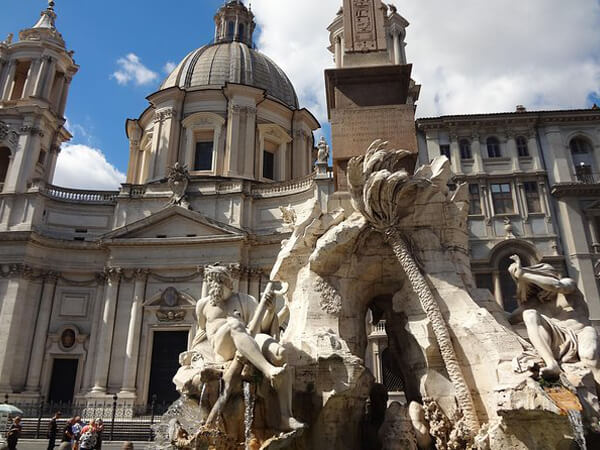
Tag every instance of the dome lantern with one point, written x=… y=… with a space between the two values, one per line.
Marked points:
x=234 y=23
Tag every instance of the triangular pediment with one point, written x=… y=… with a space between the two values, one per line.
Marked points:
x=173 y=223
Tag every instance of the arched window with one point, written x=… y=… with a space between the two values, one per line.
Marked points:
x=493 y=147
x=4 y=161
x=465 y=149
x=241 y=36
x=230 y=29
x=522 y=146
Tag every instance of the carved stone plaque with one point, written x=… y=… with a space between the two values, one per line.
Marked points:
x=353 y=130
x=363 y=23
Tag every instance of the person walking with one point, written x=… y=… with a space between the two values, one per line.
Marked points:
x=14 y=433
x=99 y=430
x=67 y=436
x=89 y=436
x=127 y=446
x=53 y=430
x=77 y=427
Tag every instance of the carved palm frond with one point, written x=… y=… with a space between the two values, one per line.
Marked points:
x=381 y=188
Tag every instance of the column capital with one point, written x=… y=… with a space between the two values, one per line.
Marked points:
x=140 y=274
x=112 y=274
x=51 y=276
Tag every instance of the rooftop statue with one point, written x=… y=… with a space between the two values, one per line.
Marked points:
x=556 y=316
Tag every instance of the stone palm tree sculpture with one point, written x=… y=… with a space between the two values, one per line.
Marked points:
x=384 y=193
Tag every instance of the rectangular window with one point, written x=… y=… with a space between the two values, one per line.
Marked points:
x=204 y=156
x=474 y=200
x=533 y=197
x=268 y=165
x=502 y=198
x=445 y=151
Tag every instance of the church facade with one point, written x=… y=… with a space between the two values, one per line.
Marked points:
x=98 y=289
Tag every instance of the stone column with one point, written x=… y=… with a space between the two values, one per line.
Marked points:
x=49 y=80
x=534 y=150
x=513 y=153
x=476 y=152
x=455 y=161
x=133 y=334
x=250 y=150
x=34 y=68
x=8 y=81
x=111 y=294
x=397 y=49
x=3 y=70
x=591 y=222
x=338 y=52
x=12 y=329
x=498 y=289
x=64 y=96
x=41 y=333
x=232 y=149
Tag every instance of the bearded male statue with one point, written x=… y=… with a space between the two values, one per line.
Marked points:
x=556 y=316
x=223 y=317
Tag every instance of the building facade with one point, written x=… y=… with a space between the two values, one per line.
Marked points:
x=97 y=289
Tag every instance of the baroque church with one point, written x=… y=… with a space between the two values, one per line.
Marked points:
x=98 y=289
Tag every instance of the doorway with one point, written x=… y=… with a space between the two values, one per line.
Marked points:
x=166 y=348
x=62 y=382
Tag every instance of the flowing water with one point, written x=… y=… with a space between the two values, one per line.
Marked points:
x=578 y=430
x=249 y=401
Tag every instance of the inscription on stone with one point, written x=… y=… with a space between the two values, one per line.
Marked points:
x=353 y=130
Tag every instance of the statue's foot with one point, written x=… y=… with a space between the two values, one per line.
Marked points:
x=550 y=372
x=291 y=424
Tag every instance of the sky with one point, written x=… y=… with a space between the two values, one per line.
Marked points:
x=470 y=56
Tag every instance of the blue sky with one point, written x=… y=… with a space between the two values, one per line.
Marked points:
x=470 y=56
x=102 y=32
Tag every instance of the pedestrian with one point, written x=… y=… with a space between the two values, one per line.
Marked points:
x=127 y=446
x=89 y=437
x=77 y=427
x=53 y=430
x=67 y=437
x=99 y=430
x=14 y=433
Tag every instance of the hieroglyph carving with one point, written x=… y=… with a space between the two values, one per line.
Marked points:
x=363 y=24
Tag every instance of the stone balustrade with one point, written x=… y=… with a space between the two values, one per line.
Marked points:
x=284 y=188
x=79 y=196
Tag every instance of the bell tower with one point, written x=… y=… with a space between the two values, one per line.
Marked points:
x=370 y=92
x=35 y=74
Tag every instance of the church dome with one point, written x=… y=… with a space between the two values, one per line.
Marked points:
x=232 y=62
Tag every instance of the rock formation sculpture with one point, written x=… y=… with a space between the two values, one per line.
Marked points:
x=383 y=191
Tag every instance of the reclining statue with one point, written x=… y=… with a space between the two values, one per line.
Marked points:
x=556 y=317
x=223 y=319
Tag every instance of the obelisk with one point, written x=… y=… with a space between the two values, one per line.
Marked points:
x=370 y=95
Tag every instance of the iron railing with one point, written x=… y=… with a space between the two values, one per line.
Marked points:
x=122 y=421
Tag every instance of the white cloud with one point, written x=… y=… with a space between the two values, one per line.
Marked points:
x=169 y=67
x=470 y=56
x=83 y=167
x=132 y=69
